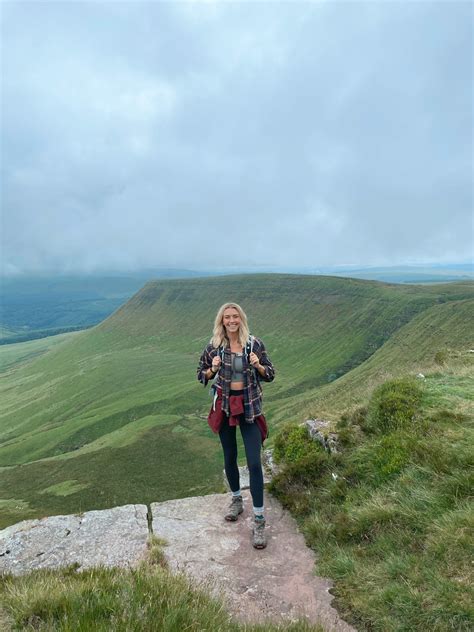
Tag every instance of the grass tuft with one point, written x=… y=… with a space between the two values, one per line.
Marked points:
x=394 y=405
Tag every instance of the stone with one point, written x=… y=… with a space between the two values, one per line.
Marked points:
x=269 y=465
x=319 y=430
x=275 y=584
x=244 y=477
x=109 y=537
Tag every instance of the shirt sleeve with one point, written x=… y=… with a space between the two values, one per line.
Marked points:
x=265 y=362
x=205 y=363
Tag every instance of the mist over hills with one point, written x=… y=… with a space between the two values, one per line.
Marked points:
x=114 y=414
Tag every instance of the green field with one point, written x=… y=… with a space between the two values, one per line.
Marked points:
x=114 y=414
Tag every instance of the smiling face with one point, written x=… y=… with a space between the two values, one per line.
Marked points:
x=231 y=320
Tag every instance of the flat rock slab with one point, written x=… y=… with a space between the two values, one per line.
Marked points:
x=110 y=537
x=274 y=584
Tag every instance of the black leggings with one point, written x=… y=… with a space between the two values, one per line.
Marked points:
x=253 y=443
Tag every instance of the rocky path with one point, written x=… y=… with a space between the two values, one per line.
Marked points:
x=277 y=583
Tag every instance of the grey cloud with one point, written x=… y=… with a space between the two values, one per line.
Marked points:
x=286 y=134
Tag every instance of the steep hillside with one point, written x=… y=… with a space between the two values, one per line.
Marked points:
x=115 y=414
x=441 y=338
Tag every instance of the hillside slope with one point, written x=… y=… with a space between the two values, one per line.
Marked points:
x=439 y=339
x=115 y=415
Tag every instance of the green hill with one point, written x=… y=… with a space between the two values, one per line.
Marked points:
x=114 y=414
x=438 y=339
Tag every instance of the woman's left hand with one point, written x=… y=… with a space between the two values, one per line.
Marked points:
x=254 y=361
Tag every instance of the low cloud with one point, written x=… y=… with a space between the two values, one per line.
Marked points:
x=297 y=134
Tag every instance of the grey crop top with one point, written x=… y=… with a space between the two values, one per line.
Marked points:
x=237 y=368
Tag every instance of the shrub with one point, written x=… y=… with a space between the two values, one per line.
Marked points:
x=441 y=357
x=293 y=443
x=309 y=468
x=393 y=405
x=294 y=485
x=349 y=425
x=345 y=436
x=354 y=417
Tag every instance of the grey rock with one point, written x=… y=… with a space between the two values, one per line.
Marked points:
x=274 y=584
x=319 y=430
x=245 y=477
x=110 y=537
x=269 y=465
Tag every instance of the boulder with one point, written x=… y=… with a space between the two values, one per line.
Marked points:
x=110 y=537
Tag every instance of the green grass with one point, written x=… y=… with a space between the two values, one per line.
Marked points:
x=88 y=408
x=391 y=517
x=15 y=354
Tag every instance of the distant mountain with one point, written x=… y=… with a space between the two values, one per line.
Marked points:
x=35 y=307
x=114 y=414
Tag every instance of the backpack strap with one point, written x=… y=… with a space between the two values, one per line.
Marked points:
x=249 y=345
x=248 y=351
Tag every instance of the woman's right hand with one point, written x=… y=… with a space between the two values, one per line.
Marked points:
x=216 y=362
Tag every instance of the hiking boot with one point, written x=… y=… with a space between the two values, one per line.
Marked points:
x=259 y=538
x=236 y=507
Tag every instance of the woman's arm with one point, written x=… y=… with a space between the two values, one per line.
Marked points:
x=204 y=370
x=264 y=365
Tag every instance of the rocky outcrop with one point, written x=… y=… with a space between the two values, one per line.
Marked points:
x=277 y=583
x=111 y=537
x=320 y=430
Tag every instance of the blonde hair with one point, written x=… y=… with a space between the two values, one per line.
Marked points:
x=219 y=336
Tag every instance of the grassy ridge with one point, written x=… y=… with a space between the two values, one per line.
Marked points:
x=439 y=338
x=391 y=517
x=111 y=392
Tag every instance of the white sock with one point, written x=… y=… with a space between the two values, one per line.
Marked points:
x=236 y=494
x=258 y=511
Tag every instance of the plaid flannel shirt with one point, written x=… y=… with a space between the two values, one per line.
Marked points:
x=252 y=387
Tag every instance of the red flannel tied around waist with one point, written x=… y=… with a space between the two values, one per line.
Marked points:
x=236 y=408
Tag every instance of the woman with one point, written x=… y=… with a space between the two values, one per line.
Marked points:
x=238 y=361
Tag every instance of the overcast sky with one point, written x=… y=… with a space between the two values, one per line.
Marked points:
x=235 y=134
